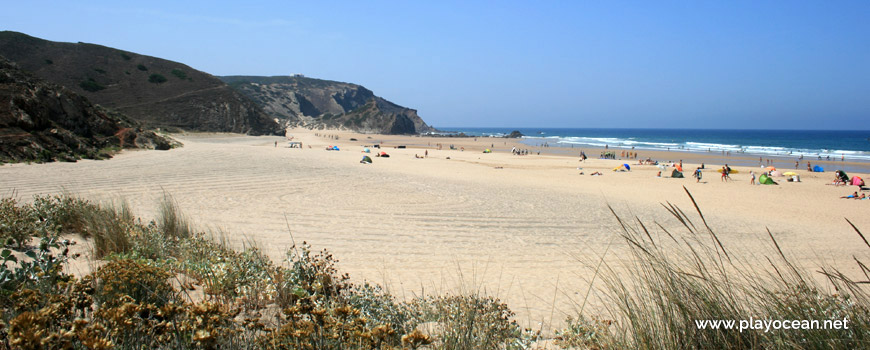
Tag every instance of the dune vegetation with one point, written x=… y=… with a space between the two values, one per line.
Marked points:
x=163 y=284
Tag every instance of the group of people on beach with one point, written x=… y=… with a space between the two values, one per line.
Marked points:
x=855 y=196
x=521 y=152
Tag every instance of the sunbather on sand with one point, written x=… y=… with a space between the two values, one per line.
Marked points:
x=853 y=195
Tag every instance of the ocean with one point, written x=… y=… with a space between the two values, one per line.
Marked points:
x=831 y=145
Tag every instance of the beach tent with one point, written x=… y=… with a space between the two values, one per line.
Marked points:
x=770 y=168
x=776 y=173
x=677 y=174
x=765 y=180
x=335 y=148
x=842 y=176
x=818 y=169
x=366 y=160
x=627 y=167
x=366 y=150
x=487 y=150
x=385 y=155
x=857 y=181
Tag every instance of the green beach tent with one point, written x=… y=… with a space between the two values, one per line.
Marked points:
x=677 y=174
x=766 y=180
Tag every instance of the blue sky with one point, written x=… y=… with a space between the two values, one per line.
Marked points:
x=661 y=64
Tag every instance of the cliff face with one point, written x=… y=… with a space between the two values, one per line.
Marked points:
x=40 y=121
x=315 y=103
x=154 y=91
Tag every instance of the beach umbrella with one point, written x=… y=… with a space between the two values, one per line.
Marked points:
x=627 y=167
x=775 y=173
x=770 y=168
x=366 y=150
x=790 y=173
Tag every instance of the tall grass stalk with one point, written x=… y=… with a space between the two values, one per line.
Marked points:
x=171 y=221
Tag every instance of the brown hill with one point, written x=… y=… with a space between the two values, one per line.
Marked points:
x=316 y=103
x=40 y=121
x=154 y=91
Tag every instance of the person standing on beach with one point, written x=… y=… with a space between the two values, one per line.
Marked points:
x=752 y=178
x=697 y=175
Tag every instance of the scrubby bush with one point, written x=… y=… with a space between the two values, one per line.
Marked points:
x=17 y=223
x=143 y=283
x=142 y=67
x=179 y=73
x=156 y=78
x=91 y=85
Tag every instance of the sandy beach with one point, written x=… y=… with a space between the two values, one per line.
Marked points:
x=521 y=228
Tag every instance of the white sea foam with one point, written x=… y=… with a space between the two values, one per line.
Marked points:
x=701 y=147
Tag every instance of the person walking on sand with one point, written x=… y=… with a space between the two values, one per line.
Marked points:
x=752 y=178
x=724 y=174
x=697 y=175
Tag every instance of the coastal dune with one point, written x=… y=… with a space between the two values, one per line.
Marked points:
x=521 y=228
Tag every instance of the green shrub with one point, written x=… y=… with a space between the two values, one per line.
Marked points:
x=17 y=223
x=467 y=321
x=91 y=85
x=142 y=67
x=179 y=73
x=40 y=269
x=126 y=57
x=156 y=78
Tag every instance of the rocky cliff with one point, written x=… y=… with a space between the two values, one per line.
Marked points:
x=154 y=91
x=316 y=103
x=43 y=122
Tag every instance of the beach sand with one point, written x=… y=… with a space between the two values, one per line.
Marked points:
x=521 y=228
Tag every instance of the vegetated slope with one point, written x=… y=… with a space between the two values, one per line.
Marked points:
x=316 y=103
x=40 y=121
x=154 y=91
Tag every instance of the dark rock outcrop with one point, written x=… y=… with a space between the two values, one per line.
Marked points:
x=44 y=122
x=153 y=91
x=515 y=134
x=320 y=104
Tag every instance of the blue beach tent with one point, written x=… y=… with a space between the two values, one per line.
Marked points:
x=627 y=167
x=818 y=169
